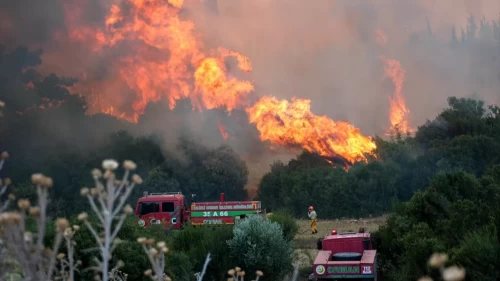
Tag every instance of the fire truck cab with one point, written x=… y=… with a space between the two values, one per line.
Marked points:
x=170 y=208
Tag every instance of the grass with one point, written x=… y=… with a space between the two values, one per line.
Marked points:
x=325 y=226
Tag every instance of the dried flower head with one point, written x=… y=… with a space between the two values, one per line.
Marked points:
x=437 y=260
x=84 y=191
x=28 y=236
x=35 y=211
x=108 y=175
x=10 y=218
x=161 y=244
x=259 y=273
x=47 y=182
x=141 y=240
x=60 y=256
x=83 y=216
x=128 y=209
x=61 y=224
x=238 y=269
x=453 y=273
x=148 y=272
x=137 y=179
x=153 y=251
x=76 y=227
x=231 y=272
x=241 y=273
x=120 y=264
x=5 y=155
x=129 y=165
x=7 y=181
x=425 y=278
x=2 y=104
x=23 y=204
x=96 y=173
x=11 y=197
x=109 y=164
x=68 y=232
x=150 y=241
x=166 y=278
x=37 y=178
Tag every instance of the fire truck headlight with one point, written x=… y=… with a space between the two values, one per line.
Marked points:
x=141 y=222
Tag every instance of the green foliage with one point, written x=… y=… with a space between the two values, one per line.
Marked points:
x=197 y=242
x=287 y=222
x=455 y=214
x=479 y=253
x=465 y=137
x=259 y=244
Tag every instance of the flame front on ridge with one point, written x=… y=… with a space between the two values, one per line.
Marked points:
x=151 y=54
x=293 y=124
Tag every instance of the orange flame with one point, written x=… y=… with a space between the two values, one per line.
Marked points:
x=398 y=113
x=292 y=124
x=381 y=37
x=164 y=59
x=46 y=104
x=151 y=54
x=222 y=130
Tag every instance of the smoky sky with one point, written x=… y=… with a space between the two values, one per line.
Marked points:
x=323 y=50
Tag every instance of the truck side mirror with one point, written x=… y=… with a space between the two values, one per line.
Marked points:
x=319 y=244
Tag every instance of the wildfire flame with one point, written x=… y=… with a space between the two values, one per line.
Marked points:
x=165 y=60
x=46 y=104
x=398 y=113
x=222 y=130
x=292 y=124
x=151 y=54
x=381 y=37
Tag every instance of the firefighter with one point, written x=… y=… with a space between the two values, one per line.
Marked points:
x=312 y=217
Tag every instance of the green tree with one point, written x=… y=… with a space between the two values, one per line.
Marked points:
x=259 y=244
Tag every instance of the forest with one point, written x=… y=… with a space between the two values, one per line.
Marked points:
x=441 y=185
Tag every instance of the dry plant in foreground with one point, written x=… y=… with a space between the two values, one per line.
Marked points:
x=4 y=184
x=107 y=201
x=117 y=275
x=237 y=274
x=37 y=261
x=451 y=273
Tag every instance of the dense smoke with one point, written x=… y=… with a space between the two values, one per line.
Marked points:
x=323 y=50
x=328 y=51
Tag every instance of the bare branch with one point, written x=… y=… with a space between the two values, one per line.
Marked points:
x=207 y=260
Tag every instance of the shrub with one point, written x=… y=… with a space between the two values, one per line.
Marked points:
x=287 y=223
x=196 y=242
x=259 y=243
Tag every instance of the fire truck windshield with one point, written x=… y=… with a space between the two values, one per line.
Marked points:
x=148 y=207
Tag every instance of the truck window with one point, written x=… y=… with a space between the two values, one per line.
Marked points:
x=148 y=207
x=167 y=207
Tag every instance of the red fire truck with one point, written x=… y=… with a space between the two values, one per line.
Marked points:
x=347 y=255
x=171 y=210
